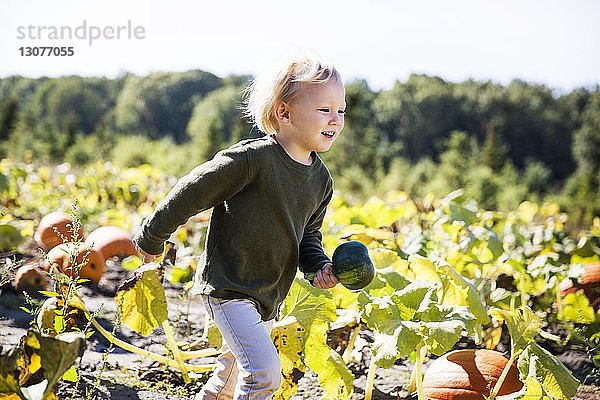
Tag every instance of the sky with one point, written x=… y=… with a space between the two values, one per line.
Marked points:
x=554 y=43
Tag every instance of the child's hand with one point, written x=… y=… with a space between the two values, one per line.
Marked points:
x=325 y=279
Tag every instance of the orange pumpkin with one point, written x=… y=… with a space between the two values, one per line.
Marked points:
x=31 y=279
x=590 y=283
x=91 y=261
x=46 y=233
x=111 y=241
x=468 y=375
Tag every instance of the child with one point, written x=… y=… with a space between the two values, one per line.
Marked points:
x=269 y=197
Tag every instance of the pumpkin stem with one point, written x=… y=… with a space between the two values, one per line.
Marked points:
x=175 y=350
x=370 y=379
x=421 y=352
x=350 y=347
x=413 y=380
x=145 y=353
x=501 y=379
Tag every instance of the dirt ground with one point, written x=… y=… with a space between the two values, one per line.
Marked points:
x=113 y=373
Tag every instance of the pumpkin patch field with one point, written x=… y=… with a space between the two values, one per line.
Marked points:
x=440 y=299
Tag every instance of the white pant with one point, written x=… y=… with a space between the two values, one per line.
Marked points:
x=248 y=367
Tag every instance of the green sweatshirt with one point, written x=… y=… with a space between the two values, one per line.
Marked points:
x=268 y=209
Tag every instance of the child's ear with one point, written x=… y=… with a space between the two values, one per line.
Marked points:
x=283 y=113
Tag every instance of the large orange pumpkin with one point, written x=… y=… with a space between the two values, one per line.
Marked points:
x=468 y=375
x=590 y=283
x=46 y=233
x=111 y=241
x=91 y=269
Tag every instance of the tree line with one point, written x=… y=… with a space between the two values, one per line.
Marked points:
x=502 y=144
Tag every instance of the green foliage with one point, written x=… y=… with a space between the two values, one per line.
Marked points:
x=586 y=143
x=217 y=122
x=161 y=103
x=501 y=144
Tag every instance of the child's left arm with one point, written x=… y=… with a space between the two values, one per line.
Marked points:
x=313 y=261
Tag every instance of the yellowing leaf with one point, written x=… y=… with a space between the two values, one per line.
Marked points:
x=523 y=325
x=35 y=362
x=288 y=337
x=142 y=302
x=543 y=373
x=424 y=269
x=577 y=308
x=382 y=258
x=527 y=210
x=492 y=336
x=314 y=309
x=71 y=374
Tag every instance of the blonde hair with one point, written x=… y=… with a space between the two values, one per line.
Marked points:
x=283 y=84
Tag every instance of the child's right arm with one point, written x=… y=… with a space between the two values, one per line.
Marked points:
x=204 y=187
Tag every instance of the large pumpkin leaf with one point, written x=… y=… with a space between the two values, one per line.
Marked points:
x=13 y=370
x=473 y=300
x=396 y=340
x=458 y=291
x=443 y=326
x=314 y=309
x=52 y=355
x=415 y=298
x=523 y=325
x=288 y=337
x=142 y=301
x=411 y=317
x=544 y=375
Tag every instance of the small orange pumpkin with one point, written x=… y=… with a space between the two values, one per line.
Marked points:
x=91 y=261
x=111 y=241
x=590 y=283
x=469 y=375
x=46 y=233
x=31 y=279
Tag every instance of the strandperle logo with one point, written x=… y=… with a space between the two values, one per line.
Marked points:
x=85 y=31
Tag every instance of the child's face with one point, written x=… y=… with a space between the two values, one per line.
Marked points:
x=316 y=116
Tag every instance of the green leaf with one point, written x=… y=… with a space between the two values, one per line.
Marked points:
x=10 y=237
x=543 y=374
x=377 y=311
x=393 y=278
x=523 y=325
x=314 y=309
x=444 y=325
x=58 y=353
x=442 y=335
x=415 y=298
x=397 y=339
x=494 y=244
x=460 y=213
x=473 y=299
x=386 y=281
x=142 y=302
x=577 y=308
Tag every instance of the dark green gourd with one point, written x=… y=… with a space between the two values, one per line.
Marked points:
x=352 y=265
